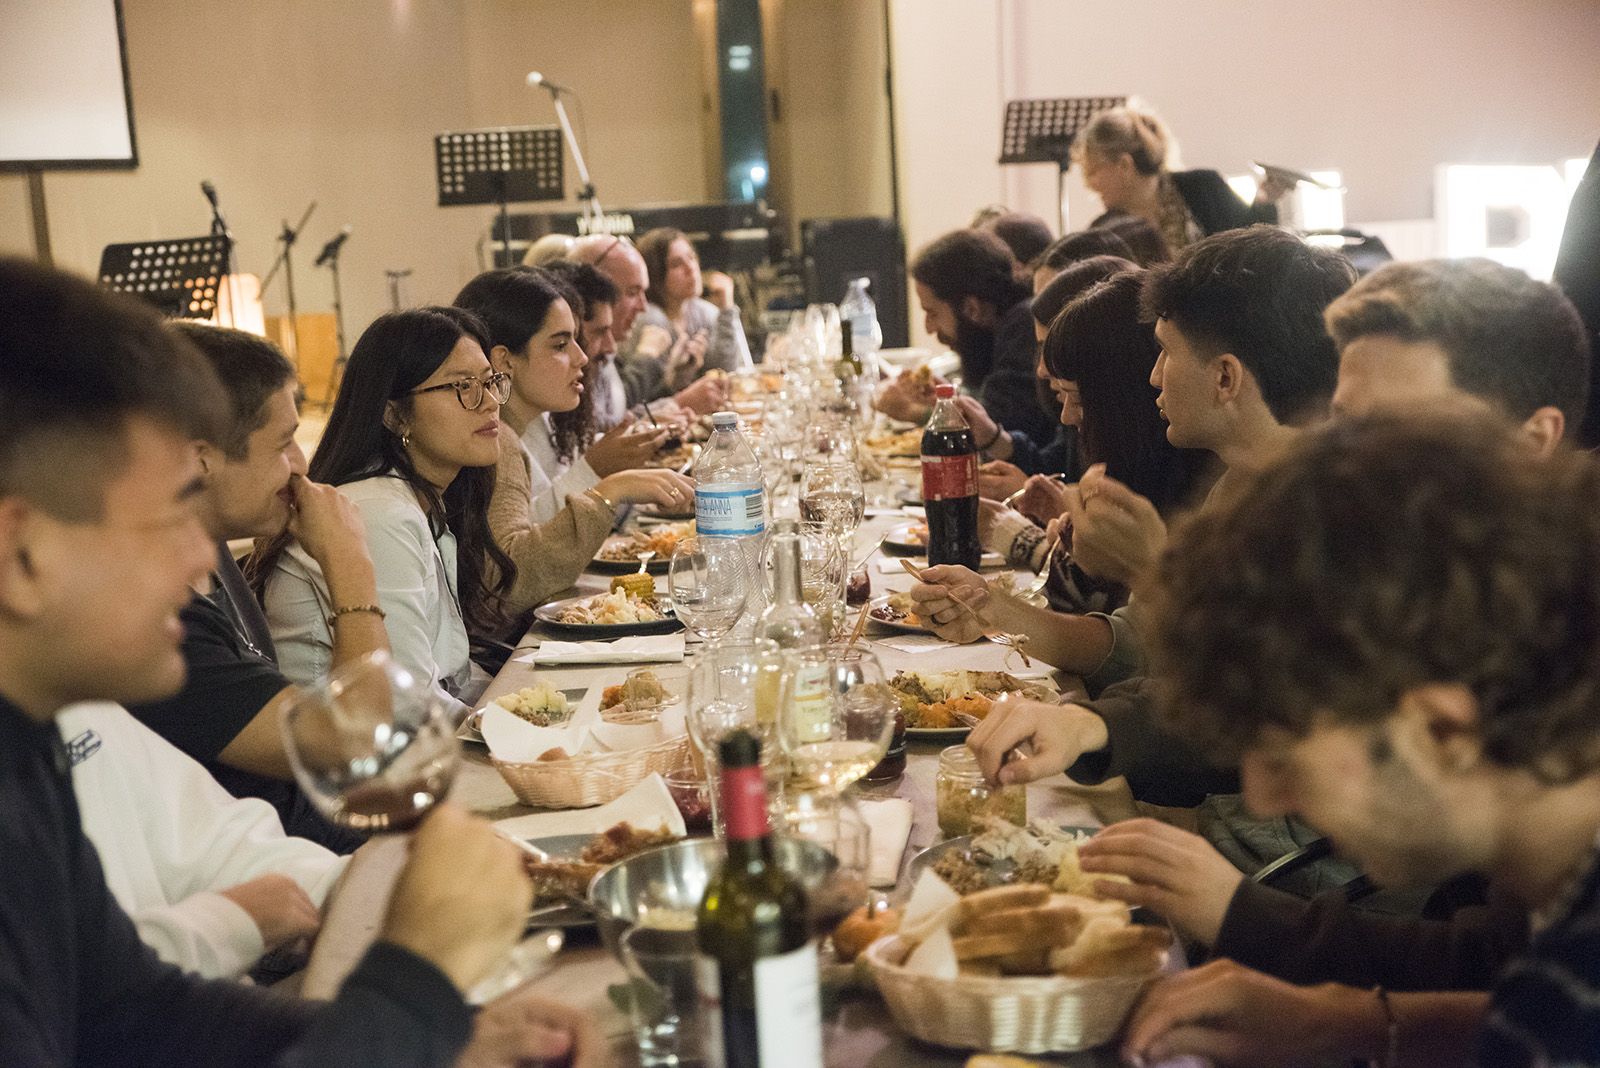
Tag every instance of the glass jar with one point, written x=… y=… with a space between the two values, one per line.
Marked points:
x=961 y=794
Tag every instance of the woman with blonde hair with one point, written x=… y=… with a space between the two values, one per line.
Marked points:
x=1125 y=154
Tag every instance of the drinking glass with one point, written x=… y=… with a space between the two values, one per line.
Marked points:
x=663 y=1000
x=837 y=715
x=828 y=439
x=372 y=745
x=823 y=561
x=837 y=825
x=708 y=583
x=732 y=685
x=832 y=494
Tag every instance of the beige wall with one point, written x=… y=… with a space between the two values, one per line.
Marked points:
x=279 y=104
x=1383 y=91
x=635 y=67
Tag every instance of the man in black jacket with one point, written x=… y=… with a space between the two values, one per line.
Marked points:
x=100 y=539
x=972 y=301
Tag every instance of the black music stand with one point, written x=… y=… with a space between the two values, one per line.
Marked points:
x=180 y=276
x=499 y=166
x=1042 y=131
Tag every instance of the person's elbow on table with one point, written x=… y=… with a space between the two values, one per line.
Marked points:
x=1055 y=736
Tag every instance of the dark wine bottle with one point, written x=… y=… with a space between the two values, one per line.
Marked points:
x=950 y=484
x=756 y=966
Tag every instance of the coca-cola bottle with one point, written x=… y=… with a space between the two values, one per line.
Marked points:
x=950 y=483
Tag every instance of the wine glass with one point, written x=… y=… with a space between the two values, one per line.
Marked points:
x=372 y=745
x=823 y=563
x=707 y=582
x=733 y=685
x=832 y=494
x=836 y=717
x=837 y=825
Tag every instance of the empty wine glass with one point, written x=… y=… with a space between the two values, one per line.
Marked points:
x=732 y=685
x=836 y=717
x=708 y=583
x=372 y=745
x=837 y=825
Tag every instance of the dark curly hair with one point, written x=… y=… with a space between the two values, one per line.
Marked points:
x=1382 y=554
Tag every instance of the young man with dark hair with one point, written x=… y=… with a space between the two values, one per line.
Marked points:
x=1412 y=331
x=1244 y=360
x=254 y=485
x=1435 y=715
x=101 y=536
x=972 y=301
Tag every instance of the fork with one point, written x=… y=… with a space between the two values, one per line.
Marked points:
x=1014 y=642
x=1037 y=586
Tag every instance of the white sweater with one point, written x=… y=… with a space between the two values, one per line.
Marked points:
x=170 y=837
x=416 y=577
x=553 y=480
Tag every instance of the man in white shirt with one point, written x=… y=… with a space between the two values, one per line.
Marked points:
x=210 y=881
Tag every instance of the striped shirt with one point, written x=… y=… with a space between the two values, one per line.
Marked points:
x=1545 y=1007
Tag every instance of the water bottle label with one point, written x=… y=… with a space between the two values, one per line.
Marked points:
x=945 y=477
x=731 y=513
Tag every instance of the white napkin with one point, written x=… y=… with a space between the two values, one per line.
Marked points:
x=512 y=738
x=930 y=907
x=647 y=806
x=644 y=649
x=890 y=821
x=617 y=737
x=915 y=643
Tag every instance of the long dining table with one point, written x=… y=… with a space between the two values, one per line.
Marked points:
x=858 y=1029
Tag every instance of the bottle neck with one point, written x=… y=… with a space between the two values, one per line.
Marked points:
x=786 y=575
x=744 y=814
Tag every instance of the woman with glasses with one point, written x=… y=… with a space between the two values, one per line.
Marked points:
x=548 y=515
x=412 y=441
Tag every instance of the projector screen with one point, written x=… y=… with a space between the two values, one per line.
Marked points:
x=64 y=98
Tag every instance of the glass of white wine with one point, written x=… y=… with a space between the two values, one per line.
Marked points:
x=732 y=685
x=836 y=716
x=832 y=494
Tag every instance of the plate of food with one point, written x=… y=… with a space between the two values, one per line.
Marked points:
x=896 y=611
x=609 y=615
x=907 y=538
x=561 y=880
x=897 y=442
x=676 y=458
x=910 y=496
x=621 y=553
x=540 y=704
x=1003 y=854
x=931 y=700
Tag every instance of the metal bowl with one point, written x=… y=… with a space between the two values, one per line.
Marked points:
x=665 y=885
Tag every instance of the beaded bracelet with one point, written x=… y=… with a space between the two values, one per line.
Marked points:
x=352 y=609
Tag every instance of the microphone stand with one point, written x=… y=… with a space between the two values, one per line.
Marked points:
x=586 y=192
x=288 y=237
x=332 y=254
x=219 y=229
x=395 y=278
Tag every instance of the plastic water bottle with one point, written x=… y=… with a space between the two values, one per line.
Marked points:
x=730 y=500
x=859 y=310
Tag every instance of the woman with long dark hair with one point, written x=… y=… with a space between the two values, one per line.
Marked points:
x=1099 y=356
x=550 y=518
x=412 y=442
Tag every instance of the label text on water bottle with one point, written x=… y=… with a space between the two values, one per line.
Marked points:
x=730 y=513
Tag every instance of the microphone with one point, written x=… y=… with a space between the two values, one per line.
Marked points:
x=331 y=249
x=537 y=79
x=210 y=191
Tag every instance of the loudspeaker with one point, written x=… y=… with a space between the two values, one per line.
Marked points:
x=836 y=251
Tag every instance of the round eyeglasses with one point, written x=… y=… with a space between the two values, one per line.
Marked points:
x=470 y=391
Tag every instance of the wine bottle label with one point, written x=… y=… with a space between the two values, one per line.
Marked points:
x=944 y=477
x=731 y=513
x=744 y=803
x=810 y=709
x=788 y=1004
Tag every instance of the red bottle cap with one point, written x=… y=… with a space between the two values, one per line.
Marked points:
x=944 y=391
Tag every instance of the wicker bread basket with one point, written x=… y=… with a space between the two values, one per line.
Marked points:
x=1012 y=1014
x=589 y=778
